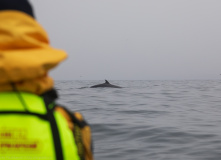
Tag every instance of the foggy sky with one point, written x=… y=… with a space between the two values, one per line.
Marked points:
x=134 y=39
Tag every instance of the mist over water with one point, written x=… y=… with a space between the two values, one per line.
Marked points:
x=161 y=120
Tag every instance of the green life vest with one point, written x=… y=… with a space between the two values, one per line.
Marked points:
x=31 y=129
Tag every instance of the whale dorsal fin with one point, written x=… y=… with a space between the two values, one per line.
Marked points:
x=106 y=82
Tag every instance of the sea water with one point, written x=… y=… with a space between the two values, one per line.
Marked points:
x=149 y=120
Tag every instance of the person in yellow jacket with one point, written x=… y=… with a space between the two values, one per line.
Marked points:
x=32 y=126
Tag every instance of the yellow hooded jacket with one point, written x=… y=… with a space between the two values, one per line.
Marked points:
x=25 y=54
x=25 y=59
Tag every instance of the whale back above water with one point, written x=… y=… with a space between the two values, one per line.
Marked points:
x=106 y=84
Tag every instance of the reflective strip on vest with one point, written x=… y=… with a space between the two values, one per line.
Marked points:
x=29 y=136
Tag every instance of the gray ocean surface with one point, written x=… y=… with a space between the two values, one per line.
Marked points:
x=149 y=120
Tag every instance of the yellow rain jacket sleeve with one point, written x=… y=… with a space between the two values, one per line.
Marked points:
x=25 y=54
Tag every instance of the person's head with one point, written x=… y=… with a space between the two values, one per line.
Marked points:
x=19 y=5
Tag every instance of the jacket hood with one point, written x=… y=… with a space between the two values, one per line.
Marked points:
x=25 y=53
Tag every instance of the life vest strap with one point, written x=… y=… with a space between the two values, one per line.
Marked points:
x=42 y=116
x=49 y=98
